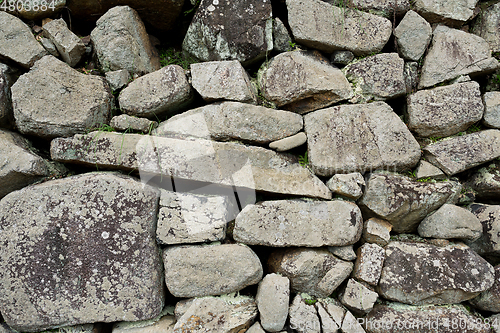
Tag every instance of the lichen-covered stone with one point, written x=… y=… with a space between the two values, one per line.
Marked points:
x=348 y=185
x=273 y=297
x=377 y=231
x=303 y=316
x=358 y=298
x=453 y=13
x=282 y=41
x=385 y=8
x=413 y=35
x=489 y=300
x=369 y=262
x=342 y=57
x=343 y=252
x=486 y=26
x=161 y=324
x=491 y=101
x=69 y=46
x=486 y=181
x=489 y=216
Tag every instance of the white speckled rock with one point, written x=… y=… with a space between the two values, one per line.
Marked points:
x=486 y=26
x=368 y=265
x=491 y=101
x=453 y=13
x=348 y=185
x=486 y=181
x=489 y=300
x=273 y=297
x=489 y=216
x=303 y=317
x=358 y=298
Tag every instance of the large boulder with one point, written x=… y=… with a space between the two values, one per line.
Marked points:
x=487 y=26
x=489 y=243
x=449 y=12
x=83 y=248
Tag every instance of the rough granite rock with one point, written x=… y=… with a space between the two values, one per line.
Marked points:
x=417 y=273
x=83 y=248
x=30 y=12
x=317 y=24
x=486 y=26
x=237 y=30
x=118 y=79
x=289 y=142
x=357 y=138
x=460 y=153
x=282 y=41
x=161 y=324
x=301 y=81
x=413 y=35
x=427 y=170
x=489 y=243
x=444 y=111
x=303 y=317
x=377 y=231
x=124 y=122
x=121 y=42
x=348 y=185
x=50 y=47
x=273 y=297
x=385 y=8
x=486 y=182
x=491 y=116
x=357 y=297
x=331 y=315
x=453 y=53
x=69 y=46
x=343 y=252
x=369 y=262
x=284 y=223
x=351 y=324
x=489 y=300
x=342 y=57
x=449 y=12
x=405 y=202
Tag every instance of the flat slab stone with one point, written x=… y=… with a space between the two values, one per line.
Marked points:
x=427 y=170
x=161 y=324
x=385 y=8
x=453 y=13
x=299 y=223
x=82 y=247
x=124 y=122
x=69 y=46
x=290 y=142
x=489 y=216
x=413 y=35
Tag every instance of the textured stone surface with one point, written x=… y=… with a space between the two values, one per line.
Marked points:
x=489 y=300
x=239 y=30
x=404 y=202
x=412 y=76
x=81 y=247
x=413 y=35
x=416 y=273
x=348 y=185
x=203 y=270
x=50 y=47
x=303 y=317
x=368 y=265
x=302 y=81
x=282 y=41
x=55 y=89
x=121 y=42
x=377 y=231
x=343 y=252
x=358 y=298
x=427 y=170
x=69 y=46
x=160 y=324
x=125 y=122
x=299 y=223
x=491 y=101
x=6 y=116
x=487 y=26
x=444 y=111
x=486 y=181
x=331 y=314
x=342 y=57
x=256 y=328
x=290 y=142
x=450 y=12
x=35 y=13
x=328 y=28
x=273 y=297
x=356 y=138
x=489 y=242
x=464 y=152
x=233 y=121
x=454 y=53
x=118 y=79
x=385 y=8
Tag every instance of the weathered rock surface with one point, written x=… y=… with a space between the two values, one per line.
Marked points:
x=240 y=30
x=82 y=247
x=303 y=317
x=69 y=46
x=369 y=262
x=489 y=300
x=486 y=26
x=453 y=13
x=444 y=111
x=301 y=81
x=299 y=223
x=331 y=314
x=55 y=89
x=491 y=101
x=204 y=270
x=121 y=42
x=328 y=28
x=348 y=185
x=413 y=35
x=282 y=41
x=454 y=53
x=50 y=47
x=313 y=271
x=290 y=142
x=379 y=77
x=416 y=273
x=385 y=8
x=377 y=231
x=343 y=252
x=273 y=297
x=256 y=328
x=464 y=152
x=125 y=122
x=6 y=116
x=404 y=202
x=233 y=121
x=489 y=242
x=342 y=57
x=358 y=298
x=29 y=10
x=427 y=170
x=356 y=138
x=118 y=79
x=486 y=182
x=161 y=324
x=411 y=74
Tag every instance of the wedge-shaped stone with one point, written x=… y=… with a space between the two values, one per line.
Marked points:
x=233 y=121
x=417 y=273
x=319 y=25
x=6 y=116
x=489 y=243
x=460 y=153
x=200 y=160
x=426 y=170
x=127 y=123
x=385 y=8
x=301 y=81
x=160 y=324
x=486 y=181
x=350 y=138
x=449 y=12
x=413 y=35
x=204 y=270
x=348 y=185
x=81 y=247
x=69 y=46
x=357 y=297
x=299 y=223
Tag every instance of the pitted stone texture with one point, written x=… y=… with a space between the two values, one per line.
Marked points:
x=487 y=26
x=6 y=116
x=233 y=121
x=160 y=324
x=17 y=42
x=492 y=109
x=358 y=298
x=236 y=30
x=369 y=262
x=404 y=202
x=302 y=81
x=377 y=78
x=416 y=273
x=290 y=142
x=223 y=80
x=204 y=270
x=69 y=46
x=377 y=231
x=282 y=42
x=453 y=53
x=121 y=42
x=273 y=297
x=299 y=223
x=486 y=182
x=489 y=300
x=343 y=252
x=125 y=122
x=489 y=216
x=413 y=35
x=118 y=79
x=348 y=185
x=356 y=138
x=328 y=28
x=385 y=8
x=451 y=221
x=62 y=101
x=82 y=247
x=35 y=13
x=427 y=170
x=158 y=94
x=449 y=12
x=460 y=153
x=444 y=111
x=313 y=271
x=303 y=317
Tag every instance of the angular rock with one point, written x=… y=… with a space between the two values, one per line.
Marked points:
x=413 y=35
x=377 y=231
x=451 y=221
x=121 y=42
x=486 y=26
x=404 y=202
x=157 y=94
x=342 y=57
x=427 y=170
x=454 y=53
x=343 y=252
x=417 y=274
x=328 y=28
x=464 y=152
x=489 y=216
x=33 y=10
x=348 y=185
x=328 y=325
x=290 y=142
x=223 y=80
x=273 y=297
x=385 y=8
x=282 y=42
x=494 y=323
x=204 y=270
x=303 y=317
x=351 y=324
x=301 y=81
x=358 y=298
x=125 y=122
x=331 y=313
x=379 y=77
x=55 y=89
x=313 y=271
x=489 y=300
x=486 y=182
x=299 y=223
x=444 y=111
x=491 y=116
x=50 y=47
x=356 y=138
x=118 y=79
x=368 y=265
x=182 y=306
x=161 y=324
x=240 y=30
x=233 y=121
x=453 y=13
x=69 y=46
x=82 y=247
